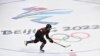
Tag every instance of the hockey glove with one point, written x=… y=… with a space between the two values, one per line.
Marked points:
x=51 y=40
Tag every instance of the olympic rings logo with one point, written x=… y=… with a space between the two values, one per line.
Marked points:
x=74 y=37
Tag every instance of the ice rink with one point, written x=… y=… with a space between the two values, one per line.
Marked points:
x=74 y=22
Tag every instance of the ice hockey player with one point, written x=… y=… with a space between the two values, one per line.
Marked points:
x=39 y=36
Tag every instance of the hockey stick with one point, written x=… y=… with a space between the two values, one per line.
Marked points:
x=62 y=45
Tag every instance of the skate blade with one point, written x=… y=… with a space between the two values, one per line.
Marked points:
x=42 y=51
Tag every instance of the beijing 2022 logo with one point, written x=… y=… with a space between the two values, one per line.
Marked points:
x=38 y=14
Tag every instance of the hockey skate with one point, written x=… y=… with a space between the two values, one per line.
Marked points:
x=42 y=51
x=26 y=43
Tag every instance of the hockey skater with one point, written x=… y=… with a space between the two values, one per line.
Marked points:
x=39 y=36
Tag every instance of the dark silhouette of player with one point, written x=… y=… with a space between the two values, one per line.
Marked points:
x=39 y=36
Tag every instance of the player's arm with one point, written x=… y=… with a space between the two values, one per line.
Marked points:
x=47 y=36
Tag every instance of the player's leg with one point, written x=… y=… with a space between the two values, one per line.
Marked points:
x=27 y=42
x=31 y=41
x=42 y=45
